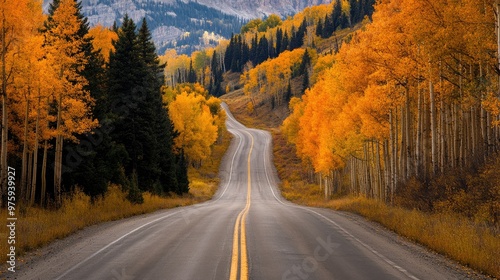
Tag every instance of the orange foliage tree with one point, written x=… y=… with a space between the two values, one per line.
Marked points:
x=197 y=118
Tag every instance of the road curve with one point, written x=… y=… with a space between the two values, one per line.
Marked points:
x=247 y=231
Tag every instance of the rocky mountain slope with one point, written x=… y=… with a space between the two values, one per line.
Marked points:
x=188 y=25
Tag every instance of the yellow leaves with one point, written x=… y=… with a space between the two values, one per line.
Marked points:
x=197 y=119
x=103 y=40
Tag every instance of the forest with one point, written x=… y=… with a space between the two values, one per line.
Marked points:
x=409 y=107
x=83 y=108
x=392 y=101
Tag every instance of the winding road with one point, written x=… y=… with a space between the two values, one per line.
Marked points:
x=247 y=231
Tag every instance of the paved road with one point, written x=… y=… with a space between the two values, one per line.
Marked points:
x=246 y=232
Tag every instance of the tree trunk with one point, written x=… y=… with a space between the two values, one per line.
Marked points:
x=24 y=171
x=44 y=174
x=418 y=148
x=58 y=155
x=409 y=144
x=498 y=40
x=3 y=149
x=35 y=152
x=392 y=156
x=433 y=128
x=28 y=177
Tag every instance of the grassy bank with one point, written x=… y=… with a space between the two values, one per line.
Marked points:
x=36 y=227
x=471 y=243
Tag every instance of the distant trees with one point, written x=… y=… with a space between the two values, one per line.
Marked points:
x=270 y=79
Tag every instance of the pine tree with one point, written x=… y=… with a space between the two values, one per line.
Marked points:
x=279 y=41
x=141 y=123
x=215 y=88
x=319 y=28
x=288 y=95
x=262 y=50
x=192 y=73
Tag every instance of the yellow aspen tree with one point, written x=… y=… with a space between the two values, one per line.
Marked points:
x=195 y=124
x=64 y=50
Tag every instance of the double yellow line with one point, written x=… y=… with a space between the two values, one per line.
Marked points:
x=239 y=236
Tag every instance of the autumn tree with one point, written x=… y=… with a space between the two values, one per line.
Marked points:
x=14 y=31
x=198 y=119
x=65 y=47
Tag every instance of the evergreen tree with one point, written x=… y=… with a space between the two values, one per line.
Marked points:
x=262 y=50
x=245 y=55
x=305 y=81
x=192 y=73
x=286 y=42
x=254 y=50
x=306 y=63
x=354 y=14
x=162 y=158
x=336 y=17
x=328 y=27
x=228 y=55
x=279 y=41
x=141 y=123
x=288 y=94
x=319 y=28
x=215 y=87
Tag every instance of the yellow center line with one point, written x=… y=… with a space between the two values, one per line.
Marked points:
x=240 y=237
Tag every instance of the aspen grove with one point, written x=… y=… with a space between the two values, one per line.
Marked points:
x=413 y=95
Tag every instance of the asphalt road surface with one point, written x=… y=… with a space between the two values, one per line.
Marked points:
x=247 y=231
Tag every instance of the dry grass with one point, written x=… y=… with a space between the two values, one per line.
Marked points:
x=470 y=243
x=36 y=227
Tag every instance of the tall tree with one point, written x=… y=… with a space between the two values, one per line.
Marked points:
x=165 y=159
x=13 y=29
x=66 y=47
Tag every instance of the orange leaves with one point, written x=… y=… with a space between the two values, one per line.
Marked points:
x=103 y=40
x=64 y=49
x=410 y=46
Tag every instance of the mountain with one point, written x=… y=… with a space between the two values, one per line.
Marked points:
x=261 y=8
x=188 y=25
